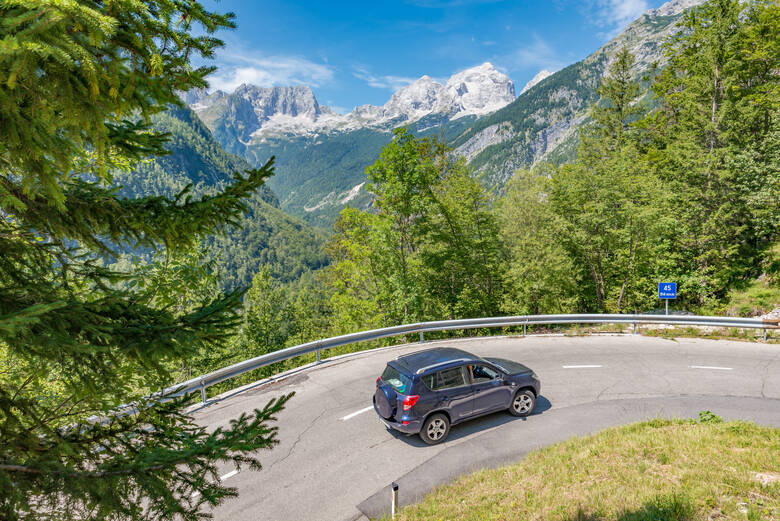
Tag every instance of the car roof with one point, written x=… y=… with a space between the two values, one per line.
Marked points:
x=428 y=358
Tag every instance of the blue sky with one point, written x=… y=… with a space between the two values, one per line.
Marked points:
x=353 y=53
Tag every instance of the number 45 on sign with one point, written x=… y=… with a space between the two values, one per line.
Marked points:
x=666 y=291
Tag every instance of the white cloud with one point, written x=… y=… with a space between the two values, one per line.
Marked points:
x=389 y=82
x=615 y=15
x=536 y=55
x=236 y=67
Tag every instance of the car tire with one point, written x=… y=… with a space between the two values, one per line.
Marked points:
x=435 y=429
x=523 y=403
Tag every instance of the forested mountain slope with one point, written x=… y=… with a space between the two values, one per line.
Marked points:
x=266 y=235
x=320 y=175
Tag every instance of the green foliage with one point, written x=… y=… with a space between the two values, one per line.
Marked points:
x=268 y=317
x=430 y=251
x=462 y=256
x=65 y=67
x=541 y=276
x=756 y=297
x=80 y=81
x=596 y=217
x=709 y=417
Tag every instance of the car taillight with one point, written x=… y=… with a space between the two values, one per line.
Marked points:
x=409 y=401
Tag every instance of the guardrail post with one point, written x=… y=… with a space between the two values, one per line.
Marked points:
x=764 y=335
x=202 y=392
x=394 y=499
x=422 y=337
x=636 y=328
x=318 y=356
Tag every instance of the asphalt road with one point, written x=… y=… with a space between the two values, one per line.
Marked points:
x=335 y=460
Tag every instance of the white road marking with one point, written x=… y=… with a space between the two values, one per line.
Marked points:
x=580 y=366
x=361 y=411
x=228 y=475
x=710 y=367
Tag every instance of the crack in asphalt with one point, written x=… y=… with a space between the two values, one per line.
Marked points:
x=382 y=442
x=765 y=376
x=649 y=371
x=607 y=388
x=295 y=443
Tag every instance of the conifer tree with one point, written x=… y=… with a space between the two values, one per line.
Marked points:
x=78 y=82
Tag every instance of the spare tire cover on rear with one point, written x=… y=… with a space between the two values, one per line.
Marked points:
x=385 y=401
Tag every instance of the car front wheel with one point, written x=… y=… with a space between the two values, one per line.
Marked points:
x=523 y=403
x=435 y=429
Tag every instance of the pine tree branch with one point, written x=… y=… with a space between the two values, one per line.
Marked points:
x=98 y=218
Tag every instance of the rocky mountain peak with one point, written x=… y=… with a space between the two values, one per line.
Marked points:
x=417 y=98
x=542 y=74
x=287 y=101
x=478 y=90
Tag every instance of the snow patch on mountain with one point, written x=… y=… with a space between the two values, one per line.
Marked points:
x=542 y=74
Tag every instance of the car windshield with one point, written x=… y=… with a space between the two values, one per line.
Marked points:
x=400 y=382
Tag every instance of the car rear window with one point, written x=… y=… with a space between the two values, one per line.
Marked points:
x=445 y=379
x=400 y=382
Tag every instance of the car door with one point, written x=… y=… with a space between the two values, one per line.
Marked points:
x=490 y=393
x=453 y=391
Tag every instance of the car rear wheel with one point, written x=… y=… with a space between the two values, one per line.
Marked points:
x=435 y=429
x=523 y=403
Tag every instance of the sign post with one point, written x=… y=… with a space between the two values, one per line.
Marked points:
x=666 y=291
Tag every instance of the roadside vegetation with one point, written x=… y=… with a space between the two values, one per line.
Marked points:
x=659 y=470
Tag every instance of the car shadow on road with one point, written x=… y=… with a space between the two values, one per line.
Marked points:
x=483 y=423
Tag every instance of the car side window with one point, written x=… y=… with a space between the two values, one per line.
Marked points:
x=445 y=379
x=483 y=374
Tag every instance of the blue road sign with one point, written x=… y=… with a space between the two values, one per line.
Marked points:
x=667 y=290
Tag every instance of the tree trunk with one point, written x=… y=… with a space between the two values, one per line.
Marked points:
x=631 y=252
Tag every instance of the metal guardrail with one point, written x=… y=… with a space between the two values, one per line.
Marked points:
x=200 y=383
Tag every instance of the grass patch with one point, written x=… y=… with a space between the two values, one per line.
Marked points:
x=723 y=333
x=659 y=470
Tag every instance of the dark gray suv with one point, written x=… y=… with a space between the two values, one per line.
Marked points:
x=428 y=391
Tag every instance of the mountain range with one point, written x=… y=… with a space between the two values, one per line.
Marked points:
x=252 y=114
x=321 y=155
